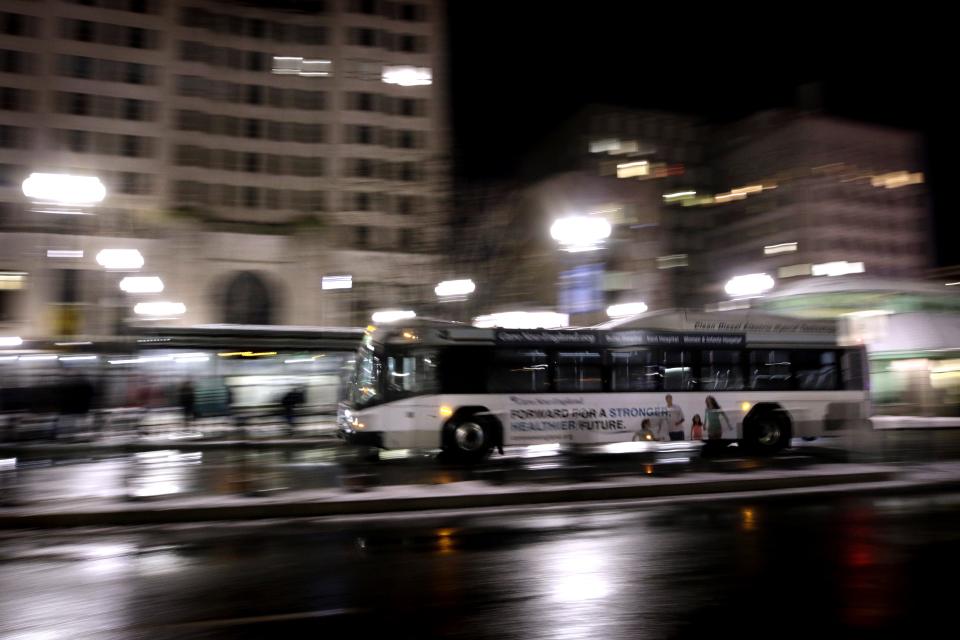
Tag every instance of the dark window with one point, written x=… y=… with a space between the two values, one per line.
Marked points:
x=464 y=370
x=361 y=235
x=253 y=129
x=251 y=163
x=130 y=146
x=721 y=370
x=135 y=73
x=635 y=370
x=815 y=370
x=251 y=197
x=363 y=168
x=256 y=28
x=83 y=30
x=136 y=38
x=128 y=183
x=13 y=24
x=255 y=61
x=363 y=201
x=406 y=239
x=254 y=94
x=405 y=205
x=407 y=140
x=578 y=371
x=516 y=371
x=14 y=61
x=78 y=141
x=769 y=370
x=408 y=107
x=364 y=101
x=132 y=109
x=677 y=370
x=69 y=289
x=79 y=104
x=364 y=134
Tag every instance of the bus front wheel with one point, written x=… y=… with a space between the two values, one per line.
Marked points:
x=469 y=439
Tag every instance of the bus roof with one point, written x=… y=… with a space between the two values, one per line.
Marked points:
x=677 y=327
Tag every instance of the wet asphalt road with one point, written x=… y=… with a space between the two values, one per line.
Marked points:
x=841 y=567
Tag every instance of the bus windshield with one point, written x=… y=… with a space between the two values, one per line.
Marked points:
x=365 y=387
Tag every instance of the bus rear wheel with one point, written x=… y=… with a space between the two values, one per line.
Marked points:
x=766 y=433
x=468 y=439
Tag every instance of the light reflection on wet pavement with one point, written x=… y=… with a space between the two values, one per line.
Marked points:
x=862 y=567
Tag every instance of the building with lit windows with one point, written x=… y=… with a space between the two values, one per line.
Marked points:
x=273 y=162
x=793 y=195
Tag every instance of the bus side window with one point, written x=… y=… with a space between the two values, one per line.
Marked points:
x=519 y=371
x=815 y=369
x=633 y=370
x=411 y=374
x=677 y=370
x=770 y=370
x=721 y=370
x=578 y=371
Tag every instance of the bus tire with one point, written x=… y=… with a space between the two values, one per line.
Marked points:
x=470 y=438
x=766 y=431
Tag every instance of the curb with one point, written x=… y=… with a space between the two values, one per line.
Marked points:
x=373 y=505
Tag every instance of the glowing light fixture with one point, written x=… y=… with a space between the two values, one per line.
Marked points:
x=165 y=309
x=62 y=188
x=120 y=259
x=392 y=315
x=141 y=284
x=751 y=284
x=455 y=288
x=406 y=76
x=626 y=309
x=580 y=233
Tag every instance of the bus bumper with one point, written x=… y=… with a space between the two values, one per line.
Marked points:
x=362 y=438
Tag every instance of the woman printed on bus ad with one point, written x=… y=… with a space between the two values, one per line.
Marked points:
x=716 y=419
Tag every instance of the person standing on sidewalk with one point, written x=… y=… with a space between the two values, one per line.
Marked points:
x=188 y=403
x=290 y=400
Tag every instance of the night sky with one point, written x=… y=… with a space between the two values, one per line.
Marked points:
x=520 y=68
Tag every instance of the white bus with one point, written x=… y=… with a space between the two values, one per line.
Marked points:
x=751 y=378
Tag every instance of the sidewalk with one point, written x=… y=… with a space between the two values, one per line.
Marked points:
x=203 y=437
x=356 y=499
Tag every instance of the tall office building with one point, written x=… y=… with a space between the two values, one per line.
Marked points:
x=274 y=162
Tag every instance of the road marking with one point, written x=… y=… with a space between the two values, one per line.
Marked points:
x=236 y=622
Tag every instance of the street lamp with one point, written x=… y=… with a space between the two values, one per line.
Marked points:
x=580 y=233
x=749 y=285
x=141 y=284
x=64 y=190
x=160 y=309
x=451 y=288
x=392 y=315
x=626 y=309
x=120 y=259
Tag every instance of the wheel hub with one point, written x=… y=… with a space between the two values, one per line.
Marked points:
x=469 y=436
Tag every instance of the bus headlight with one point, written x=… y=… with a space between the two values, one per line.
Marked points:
x=446 y=412
x=745 y=406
